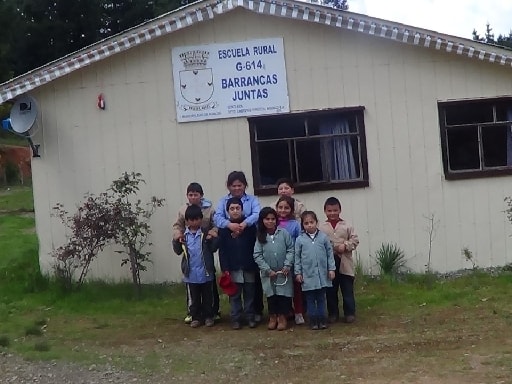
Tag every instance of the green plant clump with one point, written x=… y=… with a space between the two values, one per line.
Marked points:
x=33 y=330
x=42 y=346
x=390 y=259
x=4 y=341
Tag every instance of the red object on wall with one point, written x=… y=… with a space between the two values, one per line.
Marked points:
x=101 y=101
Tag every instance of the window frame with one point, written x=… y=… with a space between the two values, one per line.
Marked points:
x=483 y=172
x=267 y=190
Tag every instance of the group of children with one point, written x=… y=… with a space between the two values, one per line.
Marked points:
x=280 y=251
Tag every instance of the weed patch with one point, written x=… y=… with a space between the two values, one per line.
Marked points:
x=16 y=200
x=4 y=341
x=42 y=346
x=33 y=330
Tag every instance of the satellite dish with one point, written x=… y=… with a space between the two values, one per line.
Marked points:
x=23 y=120
x=24 y=115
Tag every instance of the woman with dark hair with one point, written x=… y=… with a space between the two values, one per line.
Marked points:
x=237 y=184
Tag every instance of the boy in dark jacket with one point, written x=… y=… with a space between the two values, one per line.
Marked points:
x=235 y=256
x=197 y=266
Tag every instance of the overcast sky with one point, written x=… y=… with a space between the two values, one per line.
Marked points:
x=453 y=17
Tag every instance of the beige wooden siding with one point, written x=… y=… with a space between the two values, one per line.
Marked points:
x=84 y=148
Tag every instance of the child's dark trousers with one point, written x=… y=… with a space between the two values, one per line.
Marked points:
x=243 y=308
x=316 y=303
x=345 y=283
x=279 y=305
x=201 y=300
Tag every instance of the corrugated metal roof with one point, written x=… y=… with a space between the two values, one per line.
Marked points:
x=206 y=10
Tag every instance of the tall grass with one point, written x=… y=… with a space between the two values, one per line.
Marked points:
x=390 y=259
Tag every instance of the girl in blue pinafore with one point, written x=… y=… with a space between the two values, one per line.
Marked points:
x=314 y=268
x=273 y=252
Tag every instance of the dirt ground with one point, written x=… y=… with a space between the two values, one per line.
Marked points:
x=450 y=346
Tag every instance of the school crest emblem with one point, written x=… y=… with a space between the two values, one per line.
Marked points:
x=196 y=85
x=196 y=80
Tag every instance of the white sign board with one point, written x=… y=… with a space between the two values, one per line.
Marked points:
x=218 y=81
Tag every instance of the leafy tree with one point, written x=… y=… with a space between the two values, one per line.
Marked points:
x=487 y=38
x=123 y=14
x=503 y=40
x=338 y=4
x=92 y=229
x=131 y=223
x=49 y=29
x=8 y=22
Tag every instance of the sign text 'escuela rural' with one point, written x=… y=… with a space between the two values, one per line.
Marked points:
x=218 y=81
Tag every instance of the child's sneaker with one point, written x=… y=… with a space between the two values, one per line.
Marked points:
x=195 y=323
x=299 y=319
x=236 y=325
x=188 y=319
x=209 y=322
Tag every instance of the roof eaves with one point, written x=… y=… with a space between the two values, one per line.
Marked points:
x=170 y=22
x=292 y=9
x=386 y=29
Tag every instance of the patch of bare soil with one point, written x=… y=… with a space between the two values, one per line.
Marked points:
x=447 y=347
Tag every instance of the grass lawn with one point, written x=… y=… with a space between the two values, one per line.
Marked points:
x=16 y=199
x=418 y=330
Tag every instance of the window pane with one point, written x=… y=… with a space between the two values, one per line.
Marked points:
x=504 y=111
x=471 y=113
x=463 y=150
x=274 y=161
x=314 y=123
x=280 y=128
x=341 y=156
x=353 y=156
x=309 y=161
x=494 y=143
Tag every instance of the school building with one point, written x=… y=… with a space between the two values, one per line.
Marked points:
x=410 y=128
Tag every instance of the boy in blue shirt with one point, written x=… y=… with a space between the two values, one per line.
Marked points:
x=195 y=196
x=197 y=266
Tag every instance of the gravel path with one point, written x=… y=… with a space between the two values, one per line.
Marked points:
x=14 y=369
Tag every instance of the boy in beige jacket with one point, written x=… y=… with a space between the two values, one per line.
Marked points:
x=344 y=240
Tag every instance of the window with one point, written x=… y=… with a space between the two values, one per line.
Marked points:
x=317 y=150
x=476 y=137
